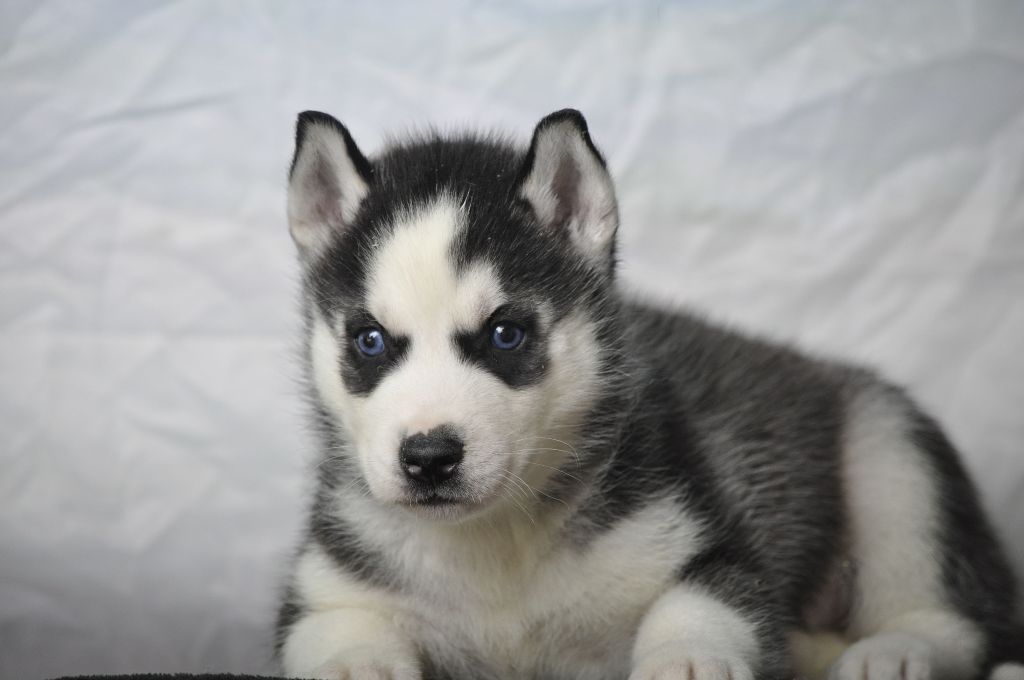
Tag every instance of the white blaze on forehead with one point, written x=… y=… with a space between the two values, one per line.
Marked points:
x=414 y=288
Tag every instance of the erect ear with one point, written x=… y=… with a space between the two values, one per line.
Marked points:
x=565 y=180
x=328 y=180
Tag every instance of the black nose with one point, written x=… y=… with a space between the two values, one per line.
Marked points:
x=431 y=458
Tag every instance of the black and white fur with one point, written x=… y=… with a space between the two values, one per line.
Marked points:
x=641 y=494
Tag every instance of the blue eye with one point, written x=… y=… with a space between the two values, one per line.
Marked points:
x=507 y=335
x=370 y=342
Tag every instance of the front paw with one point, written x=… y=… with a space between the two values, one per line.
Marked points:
x=368 y=664
x=886 y=656
x=682 y=665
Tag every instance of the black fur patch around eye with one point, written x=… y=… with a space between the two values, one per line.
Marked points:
x=520 y=367
x=362 y=373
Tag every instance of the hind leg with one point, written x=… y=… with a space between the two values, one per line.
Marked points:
x=901 y=617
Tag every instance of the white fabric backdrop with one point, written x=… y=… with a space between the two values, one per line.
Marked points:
x=849 y=174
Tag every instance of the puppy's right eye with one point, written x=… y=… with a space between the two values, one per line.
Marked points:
x=370 y=342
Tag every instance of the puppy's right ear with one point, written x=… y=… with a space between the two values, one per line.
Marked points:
x=328 y=180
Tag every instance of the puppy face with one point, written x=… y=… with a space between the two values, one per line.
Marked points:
x=453 y=331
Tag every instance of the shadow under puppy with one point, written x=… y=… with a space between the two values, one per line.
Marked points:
x=524 y=474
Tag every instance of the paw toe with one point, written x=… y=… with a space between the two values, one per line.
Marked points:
x=884 y=657
x=694 y=668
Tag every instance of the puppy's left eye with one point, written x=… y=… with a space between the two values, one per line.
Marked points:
x=506 y=335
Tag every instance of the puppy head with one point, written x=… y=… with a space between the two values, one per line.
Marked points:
x=457 y=291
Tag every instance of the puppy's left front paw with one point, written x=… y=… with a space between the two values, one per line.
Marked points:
x=886 y=656
x=681 y=665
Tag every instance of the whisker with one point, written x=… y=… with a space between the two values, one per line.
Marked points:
x=552 y=467
x=536 y=491
x=523 y=482
x=512 y=497
x=572 y=448
x=328 y=459
x=576 y=458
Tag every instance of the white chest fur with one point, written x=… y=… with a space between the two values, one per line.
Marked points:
x=507 y=594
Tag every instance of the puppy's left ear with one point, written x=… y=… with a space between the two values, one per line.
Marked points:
x=565 y=180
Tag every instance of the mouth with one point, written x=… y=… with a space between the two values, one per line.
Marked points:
x=439 y=506
x=455 y=501
x=433 y=500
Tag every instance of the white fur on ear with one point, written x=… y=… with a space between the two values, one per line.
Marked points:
x=565 y=180
x=329 y=179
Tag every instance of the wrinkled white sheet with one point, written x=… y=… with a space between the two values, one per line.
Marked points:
x=849 y=174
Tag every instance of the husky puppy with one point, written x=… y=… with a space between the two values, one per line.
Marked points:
x=524 y=474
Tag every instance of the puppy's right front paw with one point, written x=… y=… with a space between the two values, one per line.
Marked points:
x=367 y=664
